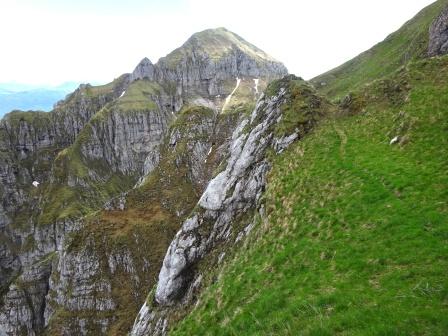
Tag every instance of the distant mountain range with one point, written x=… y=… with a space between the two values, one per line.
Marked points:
x=18 y=96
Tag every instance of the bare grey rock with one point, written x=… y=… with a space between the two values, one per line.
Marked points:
x=438 y=35
x=144 y=70
x=116 y=203
x=29 y=142
x=234 y=190
x=124 y=140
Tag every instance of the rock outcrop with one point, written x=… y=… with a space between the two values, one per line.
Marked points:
x=438 y=35
x=225 y=211
x=144 y=70
x=211 y=59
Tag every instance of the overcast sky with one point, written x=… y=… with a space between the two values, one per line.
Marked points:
x=53 y=41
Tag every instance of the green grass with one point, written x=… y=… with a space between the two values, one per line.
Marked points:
x=190 y=116
x=303 y=107
x=409 y=43
x=356 y=237
x=139 y=96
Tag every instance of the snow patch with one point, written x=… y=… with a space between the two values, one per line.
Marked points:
x=256 y=81
x=209 y=151
x=238 y=81
x=122 y=94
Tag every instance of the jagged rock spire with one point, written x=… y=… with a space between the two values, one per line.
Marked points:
x=145 y=69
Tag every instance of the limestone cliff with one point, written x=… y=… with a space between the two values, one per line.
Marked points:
x=93 y=192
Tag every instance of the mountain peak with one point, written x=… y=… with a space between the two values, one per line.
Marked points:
x=145 y=60
x=208 y=70
x=145 y=69
x=220 y=41
x=224 y=55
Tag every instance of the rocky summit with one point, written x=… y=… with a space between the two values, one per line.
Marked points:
x=213 y=193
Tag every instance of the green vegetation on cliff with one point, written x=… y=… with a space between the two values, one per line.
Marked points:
x=304 y=107
x=139 y=95
x=355 y=241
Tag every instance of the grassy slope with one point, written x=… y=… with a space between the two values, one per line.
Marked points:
x=356 y=237
x=410 y=42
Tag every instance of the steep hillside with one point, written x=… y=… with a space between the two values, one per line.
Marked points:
x=409 y=43
x=355 y=235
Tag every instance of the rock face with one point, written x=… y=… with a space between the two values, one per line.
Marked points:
x=111 y=269
x=144 y=70
x=225 y=210
x=231 y=192
x=29 y=143
x=125 y=140
x=93 y=192
x=204 y=64
x=207 y=67
x=438 y=35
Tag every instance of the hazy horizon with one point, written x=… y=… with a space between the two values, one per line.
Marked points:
x=96 y=41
